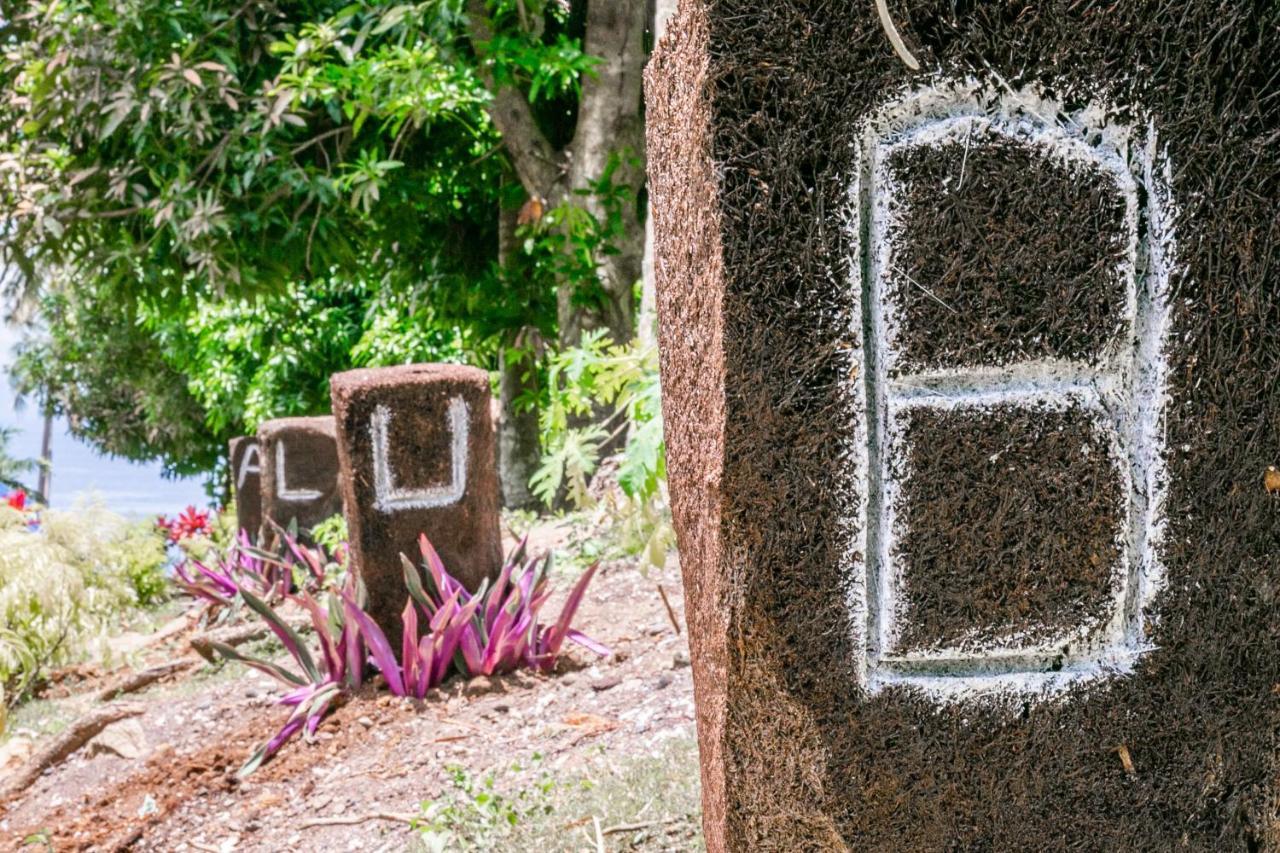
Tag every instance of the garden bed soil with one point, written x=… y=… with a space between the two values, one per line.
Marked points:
x=377 y=754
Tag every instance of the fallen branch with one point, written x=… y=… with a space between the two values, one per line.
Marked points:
x=146 y=677
x=61 y=747
x=599 y=834
x=233 y=636
x=351 y=820
x=172 y=628
x=633 y=827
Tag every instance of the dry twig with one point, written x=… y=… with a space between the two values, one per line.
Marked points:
x=899 y=46
x=146 y=677
x=351 y=820
x=233 y=636
x=671 y=613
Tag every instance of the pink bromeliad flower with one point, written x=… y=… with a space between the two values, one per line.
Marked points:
x=190 y=523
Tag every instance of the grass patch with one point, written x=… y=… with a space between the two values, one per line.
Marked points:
x=43 y=717
x=646 y=803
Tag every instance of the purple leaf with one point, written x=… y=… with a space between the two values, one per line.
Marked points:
x=409 y=647
x=588 y=643
x=495 y=594
x=285 y=632
x=380 y=649
x=554 y=637
x=320 y=622
x=351 y=648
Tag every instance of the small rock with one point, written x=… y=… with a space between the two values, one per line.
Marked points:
x=606 y=683
x=14 y=754
x=479 y=686
x=664 y=680
x=125 y=739
x=366 y=722
x=619 y=656
x=680 y=659
x=501 y=709
x=523 y=678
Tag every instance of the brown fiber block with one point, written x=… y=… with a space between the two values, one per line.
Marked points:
x=417 y=449
x=299 y=472
x=970 y=391
x=246 y=479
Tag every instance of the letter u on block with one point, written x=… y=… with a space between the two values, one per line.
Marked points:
x=392 y=498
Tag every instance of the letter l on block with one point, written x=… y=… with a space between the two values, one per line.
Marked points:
x=282 y=488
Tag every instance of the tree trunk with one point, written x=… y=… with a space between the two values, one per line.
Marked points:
x=611 y=124
x=46 y=453
x=518 y=446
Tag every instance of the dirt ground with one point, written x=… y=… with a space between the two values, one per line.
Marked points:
x=600 y=755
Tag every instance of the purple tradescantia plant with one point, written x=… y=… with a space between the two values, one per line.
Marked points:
x=494 y=631
x=314 y=691
x=502 y=631
x=242 y=565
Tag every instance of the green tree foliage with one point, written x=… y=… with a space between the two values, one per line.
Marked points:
x=154 y=382
x=225 y=202
x=13 y=470
x=196 y=148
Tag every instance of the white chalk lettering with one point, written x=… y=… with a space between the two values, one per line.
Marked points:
x=249 y=464
x=1123 y=390
x=388 y=496
x=283 y=492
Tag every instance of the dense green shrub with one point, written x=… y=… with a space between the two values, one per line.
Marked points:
x=622 y=382
x=65 y=586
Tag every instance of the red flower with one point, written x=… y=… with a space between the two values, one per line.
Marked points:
x=189 y=523
x=18 y=500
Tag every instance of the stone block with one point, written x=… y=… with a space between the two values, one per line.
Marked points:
x=246 y=479
x=300 y=477
x=416 y=444
x=969 y=384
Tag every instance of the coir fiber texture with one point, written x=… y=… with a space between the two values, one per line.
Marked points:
x=756 y=110
x=1008 y=528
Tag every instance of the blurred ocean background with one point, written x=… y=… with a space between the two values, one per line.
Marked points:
x=80 y=473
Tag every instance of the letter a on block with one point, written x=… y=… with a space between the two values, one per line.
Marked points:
x=391 y=498
x=248 y=465
x=245 y=460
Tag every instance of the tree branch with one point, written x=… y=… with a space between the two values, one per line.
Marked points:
x=536 y=162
